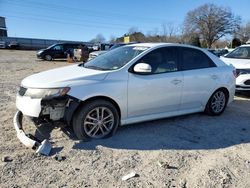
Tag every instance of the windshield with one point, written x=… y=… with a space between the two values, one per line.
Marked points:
x=51 y=46
x=240 y=53
x=116 y=58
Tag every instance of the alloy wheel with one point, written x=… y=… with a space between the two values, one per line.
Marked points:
x=99 y=122
x=218 y=101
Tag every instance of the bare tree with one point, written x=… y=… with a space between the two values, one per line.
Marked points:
x=244 y=32
x=133 y=30
x=98 y=39
x=137 y=37
x=153 y=32
x=112 y=39
x=211 y=22
x=168 y=29
x=170 y=32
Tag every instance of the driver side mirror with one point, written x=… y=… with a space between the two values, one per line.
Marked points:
x=142 y=68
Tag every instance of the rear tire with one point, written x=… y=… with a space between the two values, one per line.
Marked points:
x=217 y=103
x=95 y=120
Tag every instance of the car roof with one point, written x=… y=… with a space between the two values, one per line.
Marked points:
x=245 y=45
x=63 y=43
x=152 y=45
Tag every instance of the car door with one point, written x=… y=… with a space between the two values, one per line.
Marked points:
x=200 y=76
x=58 y=51
x=158 y=91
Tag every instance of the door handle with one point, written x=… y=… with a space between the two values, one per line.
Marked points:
x=176 y=81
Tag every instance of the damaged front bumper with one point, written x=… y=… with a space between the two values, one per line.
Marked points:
x=30 y=141
x=42 y=111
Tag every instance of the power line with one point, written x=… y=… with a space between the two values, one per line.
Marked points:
x=52 y=18
x=64 y=23
x=72 y=10
x=74 y=20
x=94 y=24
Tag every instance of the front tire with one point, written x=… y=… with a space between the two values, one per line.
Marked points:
x=95 y=120
x=217 y=103
x=48 y=57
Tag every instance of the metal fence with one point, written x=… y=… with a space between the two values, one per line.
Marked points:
x=33 y=44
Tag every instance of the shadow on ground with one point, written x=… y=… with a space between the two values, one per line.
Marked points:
x=190 y=132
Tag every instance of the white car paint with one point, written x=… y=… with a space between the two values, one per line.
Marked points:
x=139 y=97
x=240 y=64
x=31 y=107
x=62 y=77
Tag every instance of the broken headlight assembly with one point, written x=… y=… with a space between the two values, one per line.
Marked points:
x=36 y=93
x=53 y=108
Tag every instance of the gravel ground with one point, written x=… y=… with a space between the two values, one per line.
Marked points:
x=188 y=151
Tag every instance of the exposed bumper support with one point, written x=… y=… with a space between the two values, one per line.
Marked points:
x=43 y=147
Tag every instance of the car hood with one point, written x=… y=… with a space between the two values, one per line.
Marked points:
x=62 y=77
x=41 y=50
x=237 y=63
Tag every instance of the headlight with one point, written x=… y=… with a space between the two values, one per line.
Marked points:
x=39 y=52
x=46 y=93
x=243 y=71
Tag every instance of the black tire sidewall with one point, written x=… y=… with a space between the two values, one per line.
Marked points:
x=79 y=117
x=209 y=109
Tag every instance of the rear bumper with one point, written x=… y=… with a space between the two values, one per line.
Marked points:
x=30 y=141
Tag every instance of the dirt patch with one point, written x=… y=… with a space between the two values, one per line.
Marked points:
x=188 y=151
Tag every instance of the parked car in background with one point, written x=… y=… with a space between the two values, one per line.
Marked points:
x=129 y=84
x=13 y=45
x=56 y=51
x=218 y=52
x=101 y=46
x=3 y=44
x=240 y=59
x=81 y=53
x=94 y=54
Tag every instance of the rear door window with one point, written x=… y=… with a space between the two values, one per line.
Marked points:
x=194 y=59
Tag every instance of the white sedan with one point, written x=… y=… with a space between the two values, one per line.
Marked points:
x=130 y=84
x=240 y=59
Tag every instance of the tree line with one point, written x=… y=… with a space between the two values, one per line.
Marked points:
x=204 y=26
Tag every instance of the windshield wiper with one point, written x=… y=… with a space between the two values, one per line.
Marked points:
x=95 y=67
